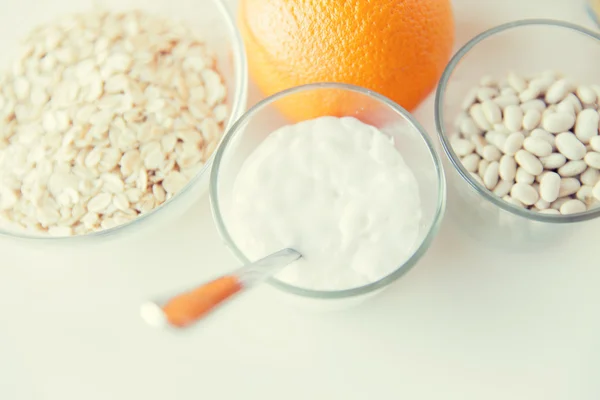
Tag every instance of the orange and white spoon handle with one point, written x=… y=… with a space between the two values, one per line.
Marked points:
x=186 y=308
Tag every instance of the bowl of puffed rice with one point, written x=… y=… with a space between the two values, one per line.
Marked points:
x=110 y=113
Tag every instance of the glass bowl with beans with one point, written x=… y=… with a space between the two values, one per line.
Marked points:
x=110 y=112
x=517 y=115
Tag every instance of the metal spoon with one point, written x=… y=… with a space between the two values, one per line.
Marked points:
x=186 y=308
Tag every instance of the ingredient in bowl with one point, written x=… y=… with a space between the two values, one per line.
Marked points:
x=533 y=142
x=396 y=48
x=336 y=190
x=104 y=117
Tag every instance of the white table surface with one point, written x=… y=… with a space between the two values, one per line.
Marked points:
x=466 y=323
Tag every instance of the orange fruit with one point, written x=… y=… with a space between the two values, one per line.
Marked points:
x=398 y=48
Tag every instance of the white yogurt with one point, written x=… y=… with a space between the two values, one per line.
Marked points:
x=336 y=190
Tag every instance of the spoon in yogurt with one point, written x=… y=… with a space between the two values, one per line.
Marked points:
x=183 y=309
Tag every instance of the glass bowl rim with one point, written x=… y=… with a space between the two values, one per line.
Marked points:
x=240 y=77
x=345 y=293
x=444 y=137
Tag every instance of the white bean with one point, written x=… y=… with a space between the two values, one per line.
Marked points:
x=553 y=161
x=497 y=139
x=568 y=186
x=536 y=104
x=468 y=127
x=537 y=147
x=479 y=143
x=590 y=176
x=542 y=134
x=577 y=106
x=542 y=83
x=491 y=153
x=526 y=194
x=566 y=106
x=523 y=176
x=507 y=91
x=513 y=118
x=476 y=112
x=550 y=186
x=483 y=166
x=586 y=95
x=585 y=194
x=596 y=191
x=570 y=146
x=513 y=201
x=531 y=93
x=486 y=93
x=559 y=202
x=477 y=178
x=538 y=178
x=592 y=159
x=471 y=162
x=513 y=143
x=490 y=178
x=459 y=119
x=595 y=143
x=529 y=162
x=470 y=99
x=531 y=119
x=516 y=82
x=505 y=100
x=542 y=204
x=492 y=112
x=501 y=128
x=555 y=122
x=503 y=188
x=557 y=91
x=462 y=147
x=572 y=168
x=508 y=168
x=572 y=206
x=586 y=126
x=549 y=110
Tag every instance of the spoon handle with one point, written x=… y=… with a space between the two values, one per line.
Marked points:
x=185 y=308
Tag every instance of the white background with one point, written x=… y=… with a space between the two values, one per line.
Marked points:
x=466 y=323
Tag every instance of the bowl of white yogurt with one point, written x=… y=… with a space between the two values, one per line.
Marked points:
x=361 y=194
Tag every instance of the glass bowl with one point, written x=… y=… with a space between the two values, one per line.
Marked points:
x=410 y=139
x=525 y=47
x=211 y=19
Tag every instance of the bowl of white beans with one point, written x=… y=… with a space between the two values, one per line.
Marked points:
x=517 y=116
